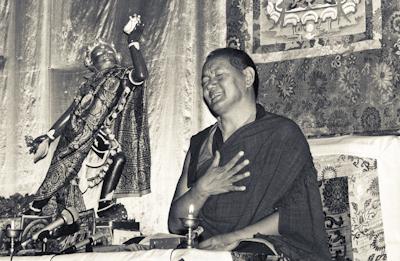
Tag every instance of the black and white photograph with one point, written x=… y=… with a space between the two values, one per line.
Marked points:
x=227 y=130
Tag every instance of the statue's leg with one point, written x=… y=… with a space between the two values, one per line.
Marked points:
x=110 y=182
x=39 y=204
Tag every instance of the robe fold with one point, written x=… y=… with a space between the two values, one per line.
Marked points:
x=283 y=178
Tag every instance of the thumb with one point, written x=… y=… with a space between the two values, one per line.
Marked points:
x=216 y=159
x=205 y=244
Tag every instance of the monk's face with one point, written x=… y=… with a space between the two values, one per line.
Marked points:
x=223 y=85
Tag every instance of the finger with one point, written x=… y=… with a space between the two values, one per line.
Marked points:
x=234 y=160
x=237 y=188
x=236 y=178
x=33 y=149
x=216 y=159
x=238 y=167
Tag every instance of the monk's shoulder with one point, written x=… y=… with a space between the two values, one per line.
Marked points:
x=281 y=124
x=199 y=137
x=202 y=133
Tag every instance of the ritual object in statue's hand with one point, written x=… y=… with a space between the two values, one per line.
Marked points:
x=134 y=28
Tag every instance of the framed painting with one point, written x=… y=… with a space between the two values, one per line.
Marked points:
x=276 y=30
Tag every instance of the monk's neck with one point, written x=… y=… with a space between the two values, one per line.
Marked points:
x=229 y=123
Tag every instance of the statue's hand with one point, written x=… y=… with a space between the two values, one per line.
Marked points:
x=42 y=150
x=134 y=28
x=38 y=146
x=33 y=144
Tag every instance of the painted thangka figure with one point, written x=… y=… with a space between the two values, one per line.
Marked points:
x=104 y=131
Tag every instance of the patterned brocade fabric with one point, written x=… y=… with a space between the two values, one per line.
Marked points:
x=336 y=82
x=132 y=132
x=350 y=197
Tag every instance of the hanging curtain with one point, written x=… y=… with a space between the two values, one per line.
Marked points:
x=24 y=92
x=5 y=53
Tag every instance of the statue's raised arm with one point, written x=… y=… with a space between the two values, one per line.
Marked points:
x=134 y=29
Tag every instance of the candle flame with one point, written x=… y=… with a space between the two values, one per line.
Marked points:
x=191 y=209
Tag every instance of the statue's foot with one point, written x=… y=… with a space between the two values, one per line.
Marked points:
x=112 y=211
x=32 y=211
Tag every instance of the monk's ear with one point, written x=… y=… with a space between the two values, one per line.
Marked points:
x=249 y=74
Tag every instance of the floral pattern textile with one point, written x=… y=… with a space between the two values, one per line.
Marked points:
x=350 y=196
x=335 y=201
x=350 y=92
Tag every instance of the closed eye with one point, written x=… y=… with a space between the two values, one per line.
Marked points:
x=204 y=81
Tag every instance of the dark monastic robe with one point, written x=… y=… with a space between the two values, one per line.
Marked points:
x=283 y=178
